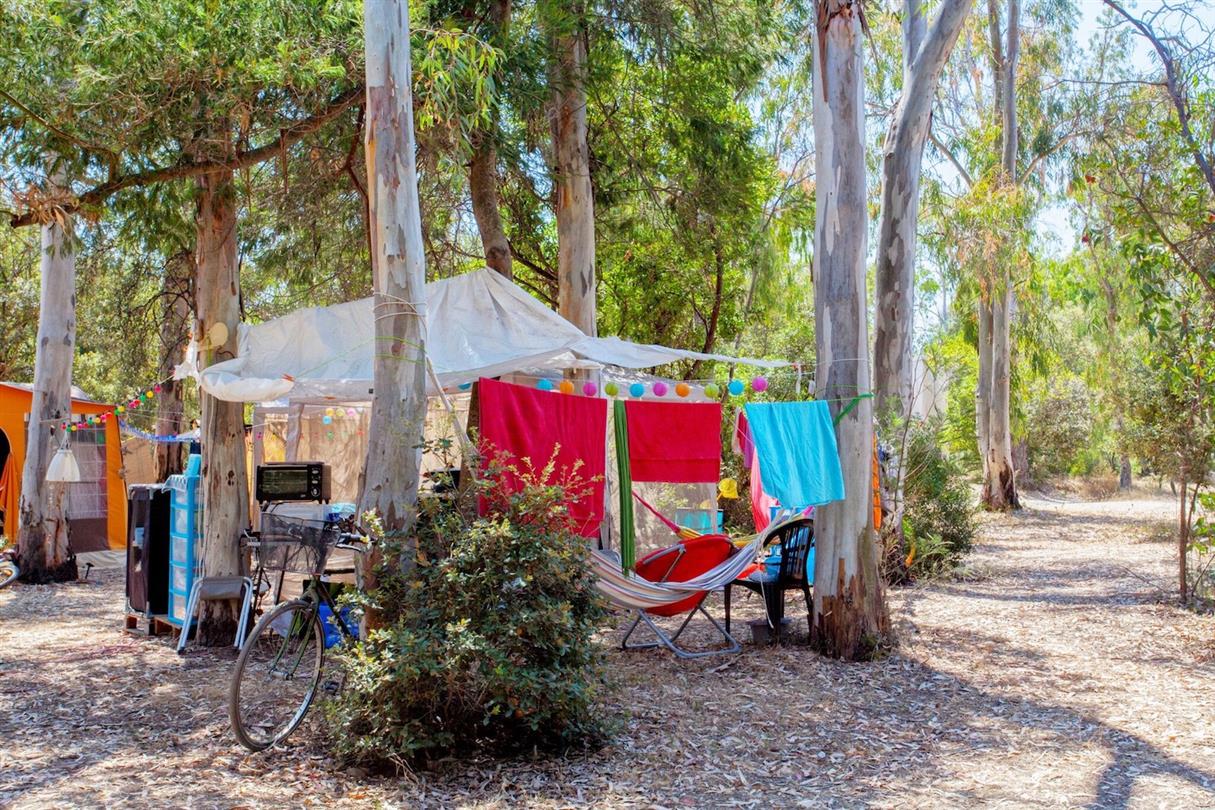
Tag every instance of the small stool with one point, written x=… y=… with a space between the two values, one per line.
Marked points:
x=216 y=589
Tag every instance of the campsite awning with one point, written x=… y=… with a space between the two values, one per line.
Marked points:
x=480 y=324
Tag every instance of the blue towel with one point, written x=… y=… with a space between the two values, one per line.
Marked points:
x=798 y=458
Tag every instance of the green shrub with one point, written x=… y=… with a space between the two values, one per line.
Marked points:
x=485 y=642
x=939 y=517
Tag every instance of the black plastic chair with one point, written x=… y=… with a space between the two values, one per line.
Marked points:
x=796 y=539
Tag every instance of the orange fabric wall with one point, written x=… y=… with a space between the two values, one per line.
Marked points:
x=14 y=405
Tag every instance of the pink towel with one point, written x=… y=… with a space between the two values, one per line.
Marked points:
x=530 y=425
x=674 y=442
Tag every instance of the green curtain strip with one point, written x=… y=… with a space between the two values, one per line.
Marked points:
x=628 y=540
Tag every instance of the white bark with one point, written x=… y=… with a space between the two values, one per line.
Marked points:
x=42 y=533
x=850 y=618
x=924 y=57
x=390 y=480
x=999 y=483
x=224 y=474
x=575 y=207
x=901 y=160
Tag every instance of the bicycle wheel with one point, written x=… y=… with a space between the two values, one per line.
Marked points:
x=8 y=573
x=276 y=675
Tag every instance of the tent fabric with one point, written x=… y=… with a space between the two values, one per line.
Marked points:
x=480 y=324
x=97 y=506
x=534 y=427
x=674 y=441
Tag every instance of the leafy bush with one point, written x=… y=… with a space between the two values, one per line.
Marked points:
x=1061 y=429
x=939 y=518
x=485 y=640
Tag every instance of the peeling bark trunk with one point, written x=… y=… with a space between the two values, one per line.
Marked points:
x=850 y=619
x=575 y=206
x=398 y=262
x=225 y=478
x=43 y=538
x=178 y=304
x=924 y=57
x=999 y=482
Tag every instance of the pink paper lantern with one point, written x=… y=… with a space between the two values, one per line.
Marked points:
x=660 y=389
x=759 y=384
x=590 y=389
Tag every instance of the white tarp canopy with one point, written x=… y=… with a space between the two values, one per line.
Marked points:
x=480 y=324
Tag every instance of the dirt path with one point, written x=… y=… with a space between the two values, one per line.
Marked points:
x=1051 y=676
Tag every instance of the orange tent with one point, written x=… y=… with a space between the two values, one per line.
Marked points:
x=97 y=505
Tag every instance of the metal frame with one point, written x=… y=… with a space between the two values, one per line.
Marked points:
x=668 y=641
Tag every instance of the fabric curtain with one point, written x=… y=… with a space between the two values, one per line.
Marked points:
x=674 y=442
x=534 y=427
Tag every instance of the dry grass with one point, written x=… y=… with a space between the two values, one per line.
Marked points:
x=1055 y=675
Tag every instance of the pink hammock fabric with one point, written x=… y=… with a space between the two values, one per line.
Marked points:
x=530 y=425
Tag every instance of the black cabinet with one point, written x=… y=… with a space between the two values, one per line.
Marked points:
x=148 y=549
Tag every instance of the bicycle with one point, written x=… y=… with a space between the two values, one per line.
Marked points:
x=8 y=566
x=281 y=664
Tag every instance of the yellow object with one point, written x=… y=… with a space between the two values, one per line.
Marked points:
x=727 y=488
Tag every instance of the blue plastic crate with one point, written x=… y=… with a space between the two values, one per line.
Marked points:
x=185 y=529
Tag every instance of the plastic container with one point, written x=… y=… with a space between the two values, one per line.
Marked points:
x=185 y=529
x=772 y=563
x=332 y=634
x=705 y=521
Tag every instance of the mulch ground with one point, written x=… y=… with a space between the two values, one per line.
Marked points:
x=1052 y=672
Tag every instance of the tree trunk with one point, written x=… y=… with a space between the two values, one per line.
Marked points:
x=1000 y=487
x=1183 y=539
x=1124 y=472
x=224 y=475
x=983 y=386
x=924 y=56
x=483 y=188
x=572 y=192
x=178 y=304
x=999 y=482
x=850 y=619
x=483 y=170
x=43 y=538
x=398 y=262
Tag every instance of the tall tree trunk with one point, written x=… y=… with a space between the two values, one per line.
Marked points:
x=483 y=170
x=924 y=57
x=224 y=475
x=999 y=482
x=398 y=262
x=850 y=619
x=983 y=386
x=483 y=188
x=575 y=207
x=43 y=538
x=177 y=305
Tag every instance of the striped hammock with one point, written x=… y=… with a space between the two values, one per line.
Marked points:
x=631 y=591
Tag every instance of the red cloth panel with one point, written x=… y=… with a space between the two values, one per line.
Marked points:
x=674 y=442
x=530 y=424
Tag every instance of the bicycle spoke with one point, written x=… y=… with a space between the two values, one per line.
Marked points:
x=277 y=675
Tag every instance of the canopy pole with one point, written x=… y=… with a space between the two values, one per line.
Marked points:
x=466 y=445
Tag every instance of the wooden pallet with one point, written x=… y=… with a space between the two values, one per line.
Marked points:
x=141 y=624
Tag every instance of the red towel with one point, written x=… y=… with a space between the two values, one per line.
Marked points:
x=674 y=442
x=530 y=425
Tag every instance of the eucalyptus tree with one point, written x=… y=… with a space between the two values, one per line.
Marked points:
x=148 y=92
x=925 y=51
x=850 y=619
